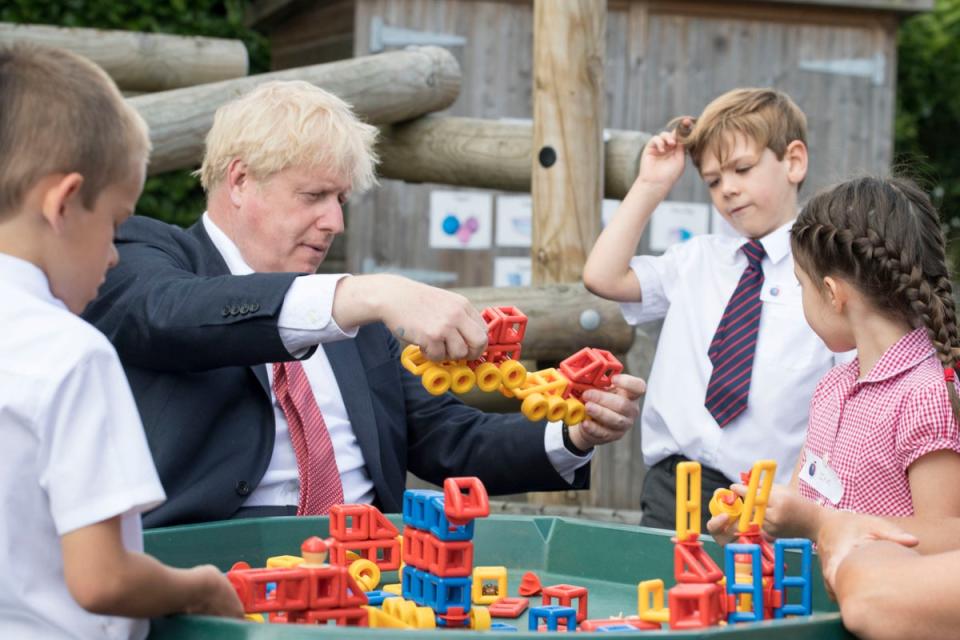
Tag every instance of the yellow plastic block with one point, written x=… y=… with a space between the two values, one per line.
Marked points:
x=254 y=617
x=650 y=602
x=488 y=377
x=719 y=504
x=576 y=412
x=688 y=499
x=402 y=563
x=424 y=618
x=366 y=573
x=378 y=619
x=489 y=584
x=413 y=360
x=480 y=619
x=283 y=562
x=462 y=378
x=396 y=589
x=513 y=374
x=436 y=380
x=758 y=493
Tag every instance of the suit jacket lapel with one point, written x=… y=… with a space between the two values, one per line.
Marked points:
x=344 y=357
x=214 y=265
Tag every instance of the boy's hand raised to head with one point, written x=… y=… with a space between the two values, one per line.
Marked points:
x=661 y=163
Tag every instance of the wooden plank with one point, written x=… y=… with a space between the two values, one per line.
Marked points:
x=383 y=88
x=142 y=61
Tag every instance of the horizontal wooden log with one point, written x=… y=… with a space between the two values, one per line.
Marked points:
x=490 y=154
x=142 y=61
x=563 y=318
x=383 y=89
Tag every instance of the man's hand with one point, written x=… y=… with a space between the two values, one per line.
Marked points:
x=610 y=414
x=842 y=532
x=443 y=324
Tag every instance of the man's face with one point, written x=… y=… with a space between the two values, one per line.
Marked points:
x=752 y=190
x=288 y=221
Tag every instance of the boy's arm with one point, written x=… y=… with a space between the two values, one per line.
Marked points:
x=105 y=578
x=607 y=272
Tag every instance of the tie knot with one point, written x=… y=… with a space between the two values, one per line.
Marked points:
x=754 y=252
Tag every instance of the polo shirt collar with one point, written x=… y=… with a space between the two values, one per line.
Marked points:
x=905 y=354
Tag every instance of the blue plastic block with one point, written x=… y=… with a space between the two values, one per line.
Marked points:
x=782 y=582
x=415 y=506
x=376 y=598
x=439 y=526
x=552 y=614
x=449 y=592
x=755 y=589
x=412 y=586
x=502 y=626
x=613 y=628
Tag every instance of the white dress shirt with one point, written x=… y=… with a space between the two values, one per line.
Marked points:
x=73 y=454
x=306 y=320
x=689 y=287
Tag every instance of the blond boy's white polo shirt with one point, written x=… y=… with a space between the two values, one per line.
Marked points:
x=689 y=286
x=73 y=454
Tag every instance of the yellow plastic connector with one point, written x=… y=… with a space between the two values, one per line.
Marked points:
x=480 y=619
x=688 y=500
x=366 y=573
x=379 y=619
x=410 y=614
x=254 y=617
x=395 y=588
x=650 y=602
x=283 y=562
x=758 y=493
x=725 y=501
x=489 y=585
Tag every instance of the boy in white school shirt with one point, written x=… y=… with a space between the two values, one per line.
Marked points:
x=75 y=470
x=736 y=363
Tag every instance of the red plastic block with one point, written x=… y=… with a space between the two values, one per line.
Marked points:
x=529 y=584
x=565 y=595
x=505 y=325
x=380 y=527
x=753 y=536
x=508 y=607
x=695 y=606
x=455 y=617
x=590 y=368
x=633 y=621
x=349 y=522
x=292 y=591
x=691 y=564
x=464 y=499
x=452 y=559
x=383 y=553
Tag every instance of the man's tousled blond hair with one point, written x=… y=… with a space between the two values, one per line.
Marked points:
x=766 y=116
x=284 y=124
x=61 y=113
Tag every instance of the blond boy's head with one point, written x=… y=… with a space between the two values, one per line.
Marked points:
x=286 y=124
x=767 y=117
x=60 y=114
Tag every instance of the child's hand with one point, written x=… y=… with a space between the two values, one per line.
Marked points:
x=218 y=597
x=723 y=528
x=661 y=163
x=788 y=515
x=842 y=532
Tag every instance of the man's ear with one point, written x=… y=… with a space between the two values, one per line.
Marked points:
x=796 y=158
x=837 y=292
x=238 y=178
x=59 y=198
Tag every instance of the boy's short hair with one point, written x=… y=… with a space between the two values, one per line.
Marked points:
x=766 y=116
x=61 y=113
x=282 y=124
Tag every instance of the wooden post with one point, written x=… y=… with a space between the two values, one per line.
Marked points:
x=569 y=39
x=489 y=154
x=142 y=62
x=384 y=88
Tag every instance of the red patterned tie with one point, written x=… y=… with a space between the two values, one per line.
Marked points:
x=320 y=486
x=734 y=343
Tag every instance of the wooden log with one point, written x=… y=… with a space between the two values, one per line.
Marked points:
x=568 y=115
x=490 y=154
x=384 y=88
x=563 y=318
x=142 y=61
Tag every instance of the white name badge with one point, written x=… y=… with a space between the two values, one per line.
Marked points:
x=818 y=475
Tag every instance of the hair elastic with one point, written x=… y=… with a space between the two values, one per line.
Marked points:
x=949 y=374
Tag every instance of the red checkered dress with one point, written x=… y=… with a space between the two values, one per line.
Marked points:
x=870 y=431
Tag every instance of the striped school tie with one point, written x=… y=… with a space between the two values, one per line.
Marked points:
x=320 y=486
x=734 y=343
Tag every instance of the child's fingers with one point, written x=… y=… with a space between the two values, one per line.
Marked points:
x=739 y=489
x=718 y=523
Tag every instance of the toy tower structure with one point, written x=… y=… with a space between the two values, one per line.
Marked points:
x=438 y=550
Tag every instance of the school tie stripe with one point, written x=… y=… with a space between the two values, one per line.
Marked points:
x=320 y=486
x=735 y=342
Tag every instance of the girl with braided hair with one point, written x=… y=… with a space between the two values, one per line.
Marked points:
x=883 y=434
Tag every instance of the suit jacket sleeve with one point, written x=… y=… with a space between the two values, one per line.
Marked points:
x=170 y=305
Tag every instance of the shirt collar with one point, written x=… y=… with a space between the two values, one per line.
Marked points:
x=227 y=248
x=26 y=276
x=776 y=244
x=905 y=354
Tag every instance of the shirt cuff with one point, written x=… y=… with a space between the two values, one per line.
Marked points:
x=306 y=317
x=652 y=306
x=563 y=461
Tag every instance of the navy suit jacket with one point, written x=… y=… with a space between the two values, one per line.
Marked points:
x=194 y=341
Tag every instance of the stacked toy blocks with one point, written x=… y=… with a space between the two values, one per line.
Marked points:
x=309 y=591
x=438 y=550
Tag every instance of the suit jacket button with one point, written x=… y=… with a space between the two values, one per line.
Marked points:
x=225 y=311
x=244 y=309
x=234 y=309
x=254 y=307
x=243 y=488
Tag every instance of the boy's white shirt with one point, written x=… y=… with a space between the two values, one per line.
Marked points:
x=689 y=287
x=74 y=454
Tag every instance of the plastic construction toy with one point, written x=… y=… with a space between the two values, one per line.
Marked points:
x=753 y=586
x=498 y=367
x=438 y=552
